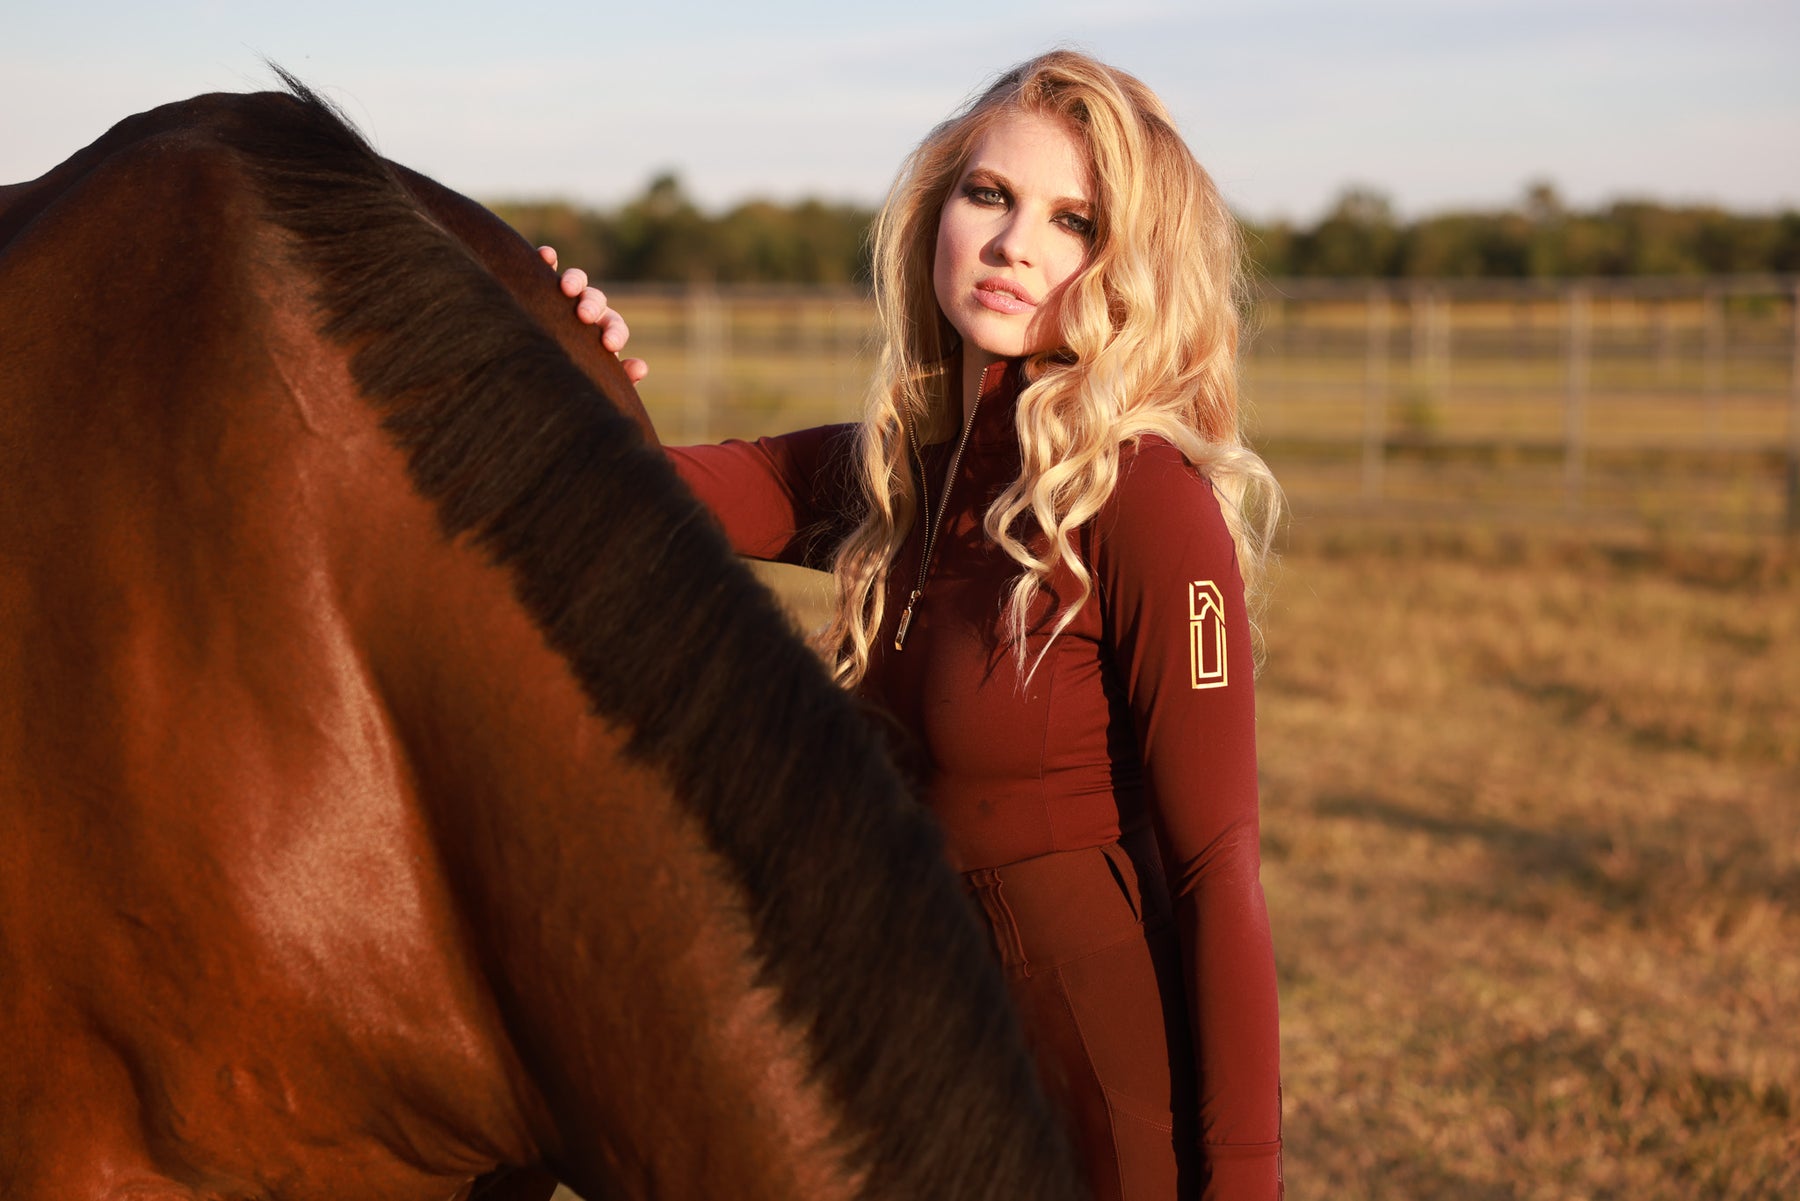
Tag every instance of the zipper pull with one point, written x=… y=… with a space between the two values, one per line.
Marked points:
x=906 y=618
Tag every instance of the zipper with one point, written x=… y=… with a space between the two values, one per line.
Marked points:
x=932 y=522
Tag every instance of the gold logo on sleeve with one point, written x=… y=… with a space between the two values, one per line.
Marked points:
x=1206 y=634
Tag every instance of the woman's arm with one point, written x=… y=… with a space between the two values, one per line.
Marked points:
x=776 y=498
x=1175 y=609
x=770 y=495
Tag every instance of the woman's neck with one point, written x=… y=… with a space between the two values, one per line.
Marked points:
x=945 y=422
x=974 y=364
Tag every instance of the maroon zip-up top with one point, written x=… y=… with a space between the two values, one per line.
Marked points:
x=1142 y=710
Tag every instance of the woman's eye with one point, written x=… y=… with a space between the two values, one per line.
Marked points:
x=1078 y=225
x=986 y=196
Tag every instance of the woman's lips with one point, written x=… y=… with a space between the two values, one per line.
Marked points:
x=1004 y=296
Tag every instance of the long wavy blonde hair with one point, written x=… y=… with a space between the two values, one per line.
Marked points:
x=1149 y=346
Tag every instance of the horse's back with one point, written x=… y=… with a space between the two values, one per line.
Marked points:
x=169 y=439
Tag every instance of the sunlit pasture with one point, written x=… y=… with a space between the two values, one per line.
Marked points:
x=1531 y=778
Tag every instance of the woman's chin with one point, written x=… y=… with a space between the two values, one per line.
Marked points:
x=995 y=340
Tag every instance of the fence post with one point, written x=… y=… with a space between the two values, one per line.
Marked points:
x=1375 y=394
x=1667 y=373
x=1418 y=341
x=1440 y=349
x=1575 y=406
x=1793 y=448
x=1713 y=368
x=706 y=359
x=853 y=354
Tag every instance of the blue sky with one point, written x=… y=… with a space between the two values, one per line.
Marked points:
x=1438 y=103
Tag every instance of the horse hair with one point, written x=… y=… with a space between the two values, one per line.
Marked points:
x=674 y=640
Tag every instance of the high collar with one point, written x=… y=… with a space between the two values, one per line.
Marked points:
x=1001 y=383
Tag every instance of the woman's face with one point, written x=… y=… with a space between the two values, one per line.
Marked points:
x=1016 y=227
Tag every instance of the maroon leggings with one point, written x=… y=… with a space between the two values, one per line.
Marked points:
x=1096 y=975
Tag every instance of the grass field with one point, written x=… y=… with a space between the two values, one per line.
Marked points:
x=1531 y=831
x=1531 y=827
x=1531 y=799
x=1532 y=844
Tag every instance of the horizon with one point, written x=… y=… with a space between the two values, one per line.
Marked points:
x=1516 y=205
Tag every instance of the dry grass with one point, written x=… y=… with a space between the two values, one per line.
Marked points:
x=1531 y=825
x=1532 y=841
x=1531 y=814
x=1532 y=836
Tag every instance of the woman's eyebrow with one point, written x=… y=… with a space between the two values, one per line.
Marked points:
x=992 y=177
x=988 y=175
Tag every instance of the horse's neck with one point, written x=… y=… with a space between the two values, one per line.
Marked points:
x=525 y=276
x=615 y=942
x=612 y=941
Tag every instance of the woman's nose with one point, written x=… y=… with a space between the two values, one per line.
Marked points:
x=1012 y=244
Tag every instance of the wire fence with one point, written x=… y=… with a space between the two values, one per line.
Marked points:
x=1649 y=404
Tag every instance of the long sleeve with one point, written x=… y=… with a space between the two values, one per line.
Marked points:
x=784 y=499
x=1175 y=614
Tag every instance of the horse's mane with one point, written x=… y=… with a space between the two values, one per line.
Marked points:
x=673 y=640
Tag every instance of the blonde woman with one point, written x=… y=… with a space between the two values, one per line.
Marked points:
x=1041 y=533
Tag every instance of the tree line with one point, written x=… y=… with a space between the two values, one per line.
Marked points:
x=663 y=236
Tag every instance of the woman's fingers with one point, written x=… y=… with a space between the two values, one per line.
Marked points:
x=614 y=333
x=591 y=309
x=590 y=306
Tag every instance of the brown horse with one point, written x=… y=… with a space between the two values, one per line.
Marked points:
x=398 y=777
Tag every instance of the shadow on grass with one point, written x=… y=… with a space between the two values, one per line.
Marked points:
x=1685 y=859
x=1403 y=1170
x=1581 y=704
x=1710 y=1133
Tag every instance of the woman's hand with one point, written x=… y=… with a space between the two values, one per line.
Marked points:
x=591 y=309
